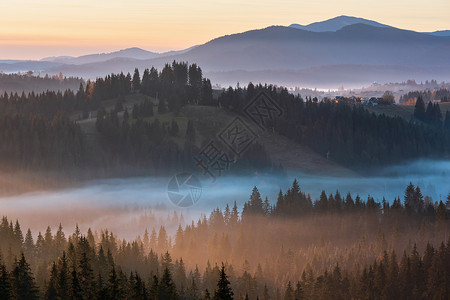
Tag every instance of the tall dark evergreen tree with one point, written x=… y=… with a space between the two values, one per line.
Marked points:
x=22 y=281
x=136 y=83
x=419 y=109
x=51 y=292
x=223 y=291
x=447 y=120
x=5 y=284
x=167 y=288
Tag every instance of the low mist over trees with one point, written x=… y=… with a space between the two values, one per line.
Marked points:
x=28 y=82
x=298 y=248
x=441 y=94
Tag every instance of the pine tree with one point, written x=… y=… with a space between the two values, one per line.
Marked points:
x=234 y=217
x=22 y=281
x=86 y=277
x=75 y=289
x=223 y=291
x=167 y=288
x=52 y=291
x=136 y=83
x=5 y=284
x=63 y=285
x=28 y=247
x=289 y=293
x=154 y=288
x=447 y=120
x=114 y=285
x=419 y=109
x=441 y=212
x=60 y=240
x=409 y=197
x=101 y=289
x=255 y=205
x=298 y=294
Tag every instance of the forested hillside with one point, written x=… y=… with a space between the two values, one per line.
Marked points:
x=298 y=248
x=347 y=133
x=145 y=136
x=27 y=83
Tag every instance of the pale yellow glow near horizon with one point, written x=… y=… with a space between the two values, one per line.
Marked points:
x=31 y=29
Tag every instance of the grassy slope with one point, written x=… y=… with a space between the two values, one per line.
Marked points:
x=208 y=121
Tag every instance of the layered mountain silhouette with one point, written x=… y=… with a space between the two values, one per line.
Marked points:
x=335 y=24
x=129 y=53
x=360 y=48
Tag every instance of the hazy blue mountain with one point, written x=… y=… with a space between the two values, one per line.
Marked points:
x=9 y=61
x=403 y=54
x=129 y=53
x=440 y=33
x=340 y=22
x=135 y=53
x=27 y=65
x=362 y=49
x=280 y=47
x=336 y=23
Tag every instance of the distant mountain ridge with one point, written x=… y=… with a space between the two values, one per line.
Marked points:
x=129 y=53
x=336 y=24
x=440 y=33
x=362 y=45
x=134 y=52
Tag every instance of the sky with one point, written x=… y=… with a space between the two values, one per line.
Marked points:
x=31 y=29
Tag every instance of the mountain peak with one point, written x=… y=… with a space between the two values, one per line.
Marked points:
x=336 y=23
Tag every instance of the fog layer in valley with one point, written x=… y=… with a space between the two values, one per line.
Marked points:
x=128 y=206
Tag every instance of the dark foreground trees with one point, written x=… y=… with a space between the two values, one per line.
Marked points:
x=334 y=247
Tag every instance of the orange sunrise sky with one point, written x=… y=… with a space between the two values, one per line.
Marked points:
x=32 y=29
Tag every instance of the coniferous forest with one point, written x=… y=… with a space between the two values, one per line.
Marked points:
x=292 y=247
x=339 y=247
x=220 y=150
x=43 y=128
x=350 y=134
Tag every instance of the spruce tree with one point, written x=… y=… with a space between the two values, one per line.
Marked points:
x=86 y=277
x=5 y=283
x=51 y=292
x=447 y=120
x=114 y=285
x=63 y=285
x=167 y=289
x=154 y=288
x=136 y=83
x=22 y=281
x=223 y=291
x=419 y=109
x=75 y=289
